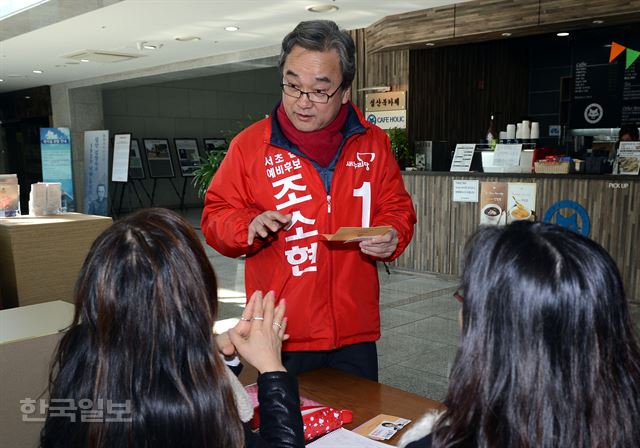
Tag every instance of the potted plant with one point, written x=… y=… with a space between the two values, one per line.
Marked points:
x=210 y=164
x=400 y=147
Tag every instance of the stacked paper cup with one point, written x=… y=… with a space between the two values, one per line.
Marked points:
x=526 y=130
x=519 y=130
x=535 y=130
x=511 y=131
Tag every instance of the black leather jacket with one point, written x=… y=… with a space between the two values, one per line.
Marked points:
x=280 y=419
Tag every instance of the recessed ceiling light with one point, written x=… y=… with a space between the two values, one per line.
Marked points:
x=38 y=72
x=430 y=44
x=1 y=80
x=231 y=28
x=27 y=97
x=506 y=34
x=322 y=8
x=150 y=47
x=84 y=60
x=598 y=22
x=563 y=34
x=187 y=38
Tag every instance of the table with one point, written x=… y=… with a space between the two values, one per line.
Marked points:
x=365 y=398
x=40 y=256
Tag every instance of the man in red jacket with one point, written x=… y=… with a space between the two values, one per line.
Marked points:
x=313 y=166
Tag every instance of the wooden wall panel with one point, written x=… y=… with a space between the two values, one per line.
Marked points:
x=444 y=226
x=378 y=69
x=487 y=19
x=555 y=11
x=480 y=17
x=456 y=89
x=411 y=28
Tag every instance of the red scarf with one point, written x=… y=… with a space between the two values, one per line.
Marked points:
x=321 y=145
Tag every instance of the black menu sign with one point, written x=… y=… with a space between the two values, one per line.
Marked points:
x=605 y=95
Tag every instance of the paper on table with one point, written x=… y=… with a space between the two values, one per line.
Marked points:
x=345 y=438
x=349 y=234
x=382 y=427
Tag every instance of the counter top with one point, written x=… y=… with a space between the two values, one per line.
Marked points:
x=611 y=177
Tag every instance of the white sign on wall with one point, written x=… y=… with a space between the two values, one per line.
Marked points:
x=465 y=190
x=388 y=119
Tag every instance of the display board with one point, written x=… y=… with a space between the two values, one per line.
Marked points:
x=158 y=157
x=215 y=144
x=136 y=169
x=188 y=155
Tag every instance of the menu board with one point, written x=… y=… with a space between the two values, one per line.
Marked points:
x=629 y=158
x=605 y=95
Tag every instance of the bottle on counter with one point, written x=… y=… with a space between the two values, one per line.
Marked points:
x=492 y=135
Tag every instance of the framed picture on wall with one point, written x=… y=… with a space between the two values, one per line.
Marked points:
x=136 y=170
x=158 y=157
x=215 y=144
x=188 y=155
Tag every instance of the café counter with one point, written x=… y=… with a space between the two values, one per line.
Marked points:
x=612 y=204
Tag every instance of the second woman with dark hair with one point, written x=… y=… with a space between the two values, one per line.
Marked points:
x=547 y=356
x=142 y=339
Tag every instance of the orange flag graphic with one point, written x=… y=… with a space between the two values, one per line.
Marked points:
x=616 y=49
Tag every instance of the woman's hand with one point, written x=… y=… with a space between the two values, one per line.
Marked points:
x=259 y=334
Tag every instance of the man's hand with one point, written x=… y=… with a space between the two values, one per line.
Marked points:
x=267 y=222
x=381 y=246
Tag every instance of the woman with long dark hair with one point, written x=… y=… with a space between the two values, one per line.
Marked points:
x=547 y=356
x=139 y=365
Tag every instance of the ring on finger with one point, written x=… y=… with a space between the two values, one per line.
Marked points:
x=277 y=324
x=257 y=318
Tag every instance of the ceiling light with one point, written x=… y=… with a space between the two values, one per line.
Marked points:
x=143 y=45
x=231 y=28
x=506 y=34
x=598 y=22
x=27 y=97
x=322 y=8
x=84 y=60
x=563 y=34
x=38 y=72
x=1 y=80
x=187 y=38
x=430 y=44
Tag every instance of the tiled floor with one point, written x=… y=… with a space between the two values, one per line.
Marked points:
x=419 y=321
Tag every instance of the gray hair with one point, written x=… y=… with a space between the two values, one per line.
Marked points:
x=322 y=35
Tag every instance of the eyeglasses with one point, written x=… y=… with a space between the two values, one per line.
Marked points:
x=459 y=295
x=314 y=97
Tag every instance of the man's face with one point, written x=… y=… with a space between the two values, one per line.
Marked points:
x=100 y=192
x=313 y=71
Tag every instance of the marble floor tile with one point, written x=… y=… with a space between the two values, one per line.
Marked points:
x=395 y=317
x=433 y=328
x=415 y=381
x=437 y=361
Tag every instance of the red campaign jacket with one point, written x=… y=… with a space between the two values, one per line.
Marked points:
x=331 y=289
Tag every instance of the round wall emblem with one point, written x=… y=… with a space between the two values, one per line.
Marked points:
x=371 y=119
x=570 y=215
x=593 y=113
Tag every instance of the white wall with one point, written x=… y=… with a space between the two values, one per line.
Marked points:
x=191 y=108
